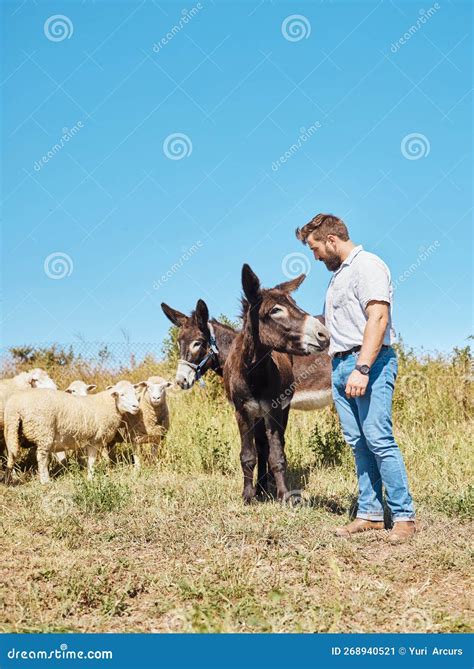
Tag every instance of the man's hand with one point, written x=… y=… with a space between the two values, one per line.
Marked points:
x=356 y=384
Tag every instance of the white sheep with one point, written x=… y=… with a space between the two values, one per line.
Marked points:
x=35 y=378
x=151 y=423
x=80 y=388
x=77 y=388
x=55 y=421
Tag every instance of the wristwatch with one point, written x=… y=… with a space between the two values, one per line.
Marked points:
x=363 y=369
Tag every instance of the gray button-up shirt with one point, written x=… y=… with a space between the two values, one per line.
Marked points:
x=362 y=277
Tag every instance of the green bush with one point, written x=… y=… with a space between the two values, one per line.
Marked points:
x=327 y=443
x=100 y=495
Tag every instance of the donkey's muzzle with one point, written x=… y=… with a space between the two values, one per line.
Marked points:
x=315 y=335
x=185 y=375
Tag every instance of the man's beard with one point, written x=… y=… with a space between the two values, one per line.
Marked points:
x=332 y=261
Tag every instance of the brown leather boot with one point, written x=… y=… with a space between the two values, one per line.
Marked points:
x=359 y=525
x=402 y=531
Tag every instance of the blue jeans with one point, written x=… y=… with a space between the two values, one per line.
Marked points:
x=367 y=426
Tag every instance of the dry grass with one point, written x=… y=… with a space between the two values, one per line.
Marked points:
x=173 y=549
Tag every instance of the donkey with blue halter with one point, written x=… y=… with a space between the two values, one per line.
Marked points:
x=203 y=343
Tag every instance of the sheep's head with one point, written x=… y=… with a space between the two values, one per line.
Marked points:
x=125 y=394
x=38 y=378
x=156 y=389
x=80 y=389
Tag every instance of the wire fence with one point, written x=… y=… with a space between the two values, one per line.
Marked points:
x=92 y=362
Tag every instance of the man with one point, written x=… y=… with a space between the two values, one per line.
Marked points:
x=358 y=315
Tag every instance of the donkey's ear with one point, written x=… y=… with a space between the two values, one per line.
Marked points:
x=250 y=284
x=291 y=286
x=175 y=316
x=202 y=315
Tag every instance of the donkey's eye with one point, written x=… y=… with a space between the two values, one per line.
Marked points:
x=276 y=311
x=196 y=345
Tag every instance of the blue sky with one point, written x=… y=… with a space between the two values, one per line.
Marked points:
x=381 y=133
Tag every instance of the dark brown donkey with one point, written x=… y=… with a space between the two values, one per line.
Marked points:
x=258 y=375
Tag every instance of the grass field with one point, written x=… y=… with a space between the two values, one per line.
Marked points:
x=173 y=549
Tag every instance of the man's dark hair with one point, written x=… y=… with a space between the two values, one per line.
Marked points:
x=321 y=226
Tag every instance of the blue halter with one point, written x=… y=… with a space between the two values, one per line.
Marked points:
x=212 y=354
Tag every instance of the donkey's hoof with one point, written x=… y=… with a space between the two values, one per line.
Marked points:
x=262 y=495
x=287 y=498
x=249 y=495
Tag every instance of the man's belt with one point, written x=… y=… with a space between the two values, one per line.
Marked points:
x=354 y=349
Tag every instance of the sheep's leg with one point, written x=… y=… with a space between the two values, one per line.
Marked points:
x=12 y=439
x=137 y=462
x=42 y=457
x=91 y=458
x=155 y=449
x=105 y=455
x=11 y=459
